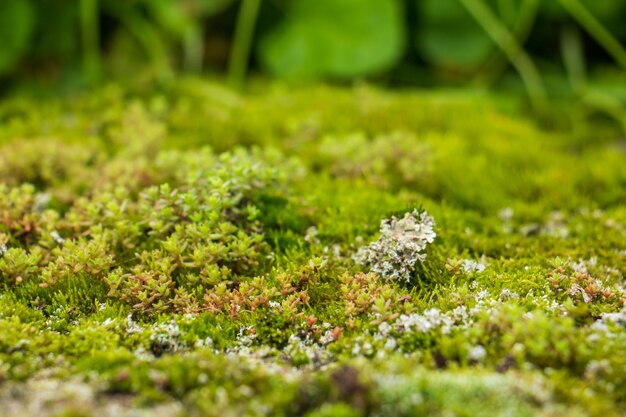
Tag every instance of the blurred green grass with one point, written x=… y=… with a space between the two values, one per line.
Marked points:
x=547 y=48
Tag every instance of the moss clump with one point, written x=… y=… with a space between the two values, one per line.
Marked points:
x=192 y=252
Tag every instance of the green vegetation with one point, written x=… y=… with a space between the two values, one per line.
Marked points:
x=174 y=247
x=546 y=48
x=190 y=251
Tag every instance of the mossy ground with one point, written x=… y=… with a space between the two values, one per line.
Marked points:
x=190 y=252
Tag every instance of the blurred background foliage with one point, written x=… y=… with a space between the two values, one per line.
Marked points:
x=544 y=48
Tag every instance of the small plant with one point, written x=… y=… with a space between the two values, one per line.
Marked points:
x=400 y=246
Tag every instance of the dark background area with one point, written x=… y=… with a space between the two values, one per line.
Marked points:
x=541 y=49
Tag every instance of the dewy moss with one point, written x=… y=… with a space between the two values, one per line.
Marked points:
x=401 y=245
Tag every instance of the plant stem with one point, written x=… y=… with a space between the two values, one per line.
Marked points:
x=573 y=58
x=498 y=32
x=148 y=38
x=90 y=39
x=496 y=65
x=507 y=10
x=244 y=32
x=596 y=30
x=194 y=49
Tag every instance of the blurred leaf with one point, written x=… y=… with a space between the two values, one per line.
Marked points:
x=552 y=8
x=609 y=12
x=208 y=7
x=602 y=9
x=16 y=26
x=171 y=16
x=60 y=18
x=450 y=37
x=335 y=38
x=180 y=16
x=608 y=9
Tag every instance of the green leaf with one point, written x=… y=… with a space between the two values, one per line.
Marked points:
x=609 y=13
x=170 y=16
x=339 y=38
x=16 y=26
x=601 y=9
x=208 y=7
x=450 y=37
x=59 y=18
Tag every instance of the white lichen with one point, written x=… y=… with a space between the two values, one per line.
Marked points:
x=506 y=214
x=607 y=319
x=57 y=237
x=470 y=266
x=584 y=265
x=507 y=294
x=433 y=319
x=311 y=235
x=401 y=245
x=477 y=353
x=167 y=336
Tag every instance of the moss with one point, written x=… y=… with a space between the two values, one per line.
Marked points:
x=192 y=252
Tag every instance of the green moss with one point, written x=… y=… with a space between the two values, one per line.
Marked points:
x=193 y=250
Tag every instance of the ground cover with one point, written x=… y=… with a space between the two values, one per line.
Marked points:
x=316 y=251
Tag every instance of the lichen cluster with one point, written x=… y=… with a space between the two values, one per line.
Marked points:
x=194 y=252
x=400 y=247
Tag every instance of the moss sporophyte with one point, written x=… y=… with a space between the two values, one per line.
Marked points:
x=176 y=253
